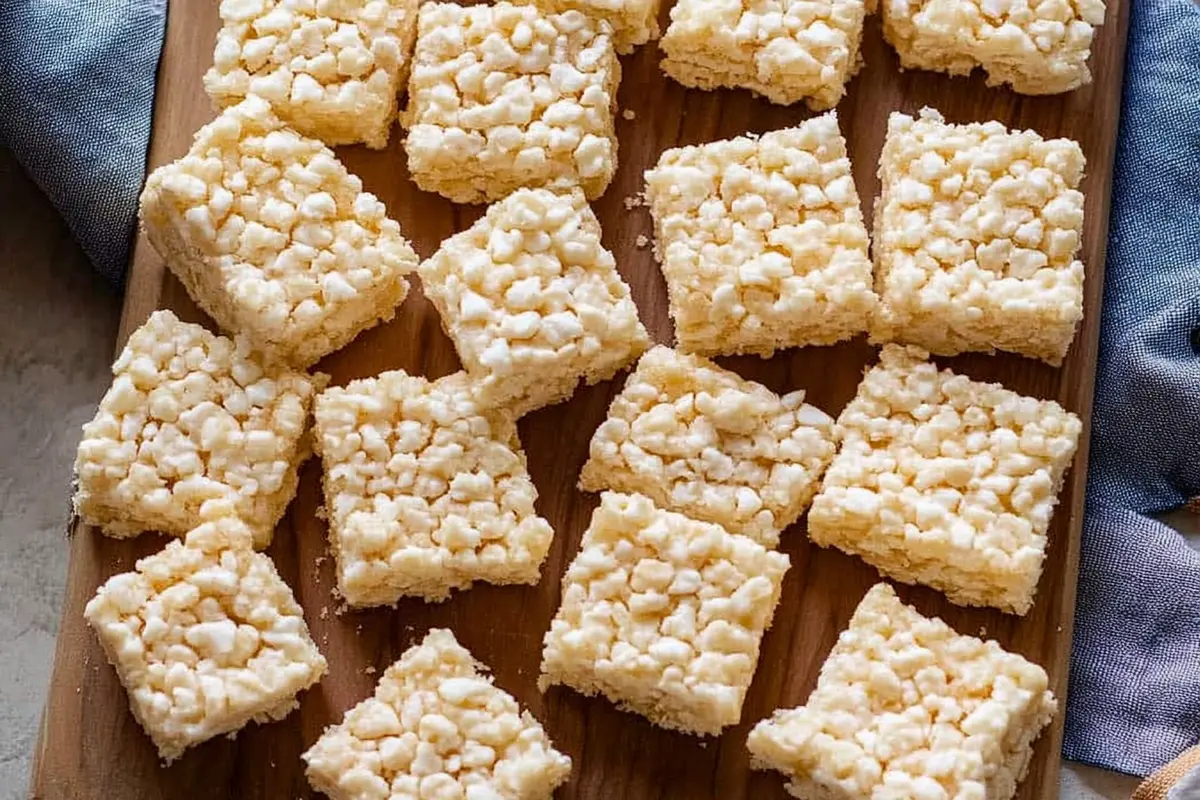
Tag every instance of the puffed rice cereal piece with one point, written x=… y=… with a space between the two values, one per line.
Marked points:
x=784 y=50
x=945 y=481
x=634 y=22
x=1036 y=48
x=504 y=96
x=907 y=709
x=437 y=728
x=977 y=233
x=332 y=69
x=426 y=490
x=533 y=301
x=663 y=615
x=700 y=440
x=205 y=637
x=762 y=241
x=193 y=421
x=273 y=238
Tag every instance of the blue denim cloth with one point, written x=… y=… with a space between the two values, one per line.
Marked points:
x=76 y=95
x=1134 y=700
x=76 y=89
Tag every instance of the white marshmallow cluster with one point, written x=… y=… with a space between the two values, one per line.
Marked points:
x=192 y=421
x=762 y=241
x=436 y=729
x=945 y=481
x=205 y=637
x=506 y=96
x=906 y=708
x=533 y=301
x=702 y=441
x=663 y=615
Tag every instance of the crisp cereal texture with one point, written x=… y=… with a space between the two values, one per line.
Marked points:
x=205 y=637
x=762 y=241
x=944 y=481
x=273 y=238
x=437 y=729
x=634 y=22
x=702 y=441
x=663 y=615
x=504 y=96
x=192 y=421
x=907 y=709
x=332 y=69
x=426 y=490
x=784 y=50
x=1036 y=48
x=533 y=301
x=977 y=233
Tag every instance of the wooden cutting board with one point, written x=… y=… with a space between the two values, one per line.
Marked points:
x=91 y=747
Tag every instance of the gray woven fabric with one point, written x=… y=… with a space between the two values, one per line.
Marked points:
x=1134 y=700
x=76 y=96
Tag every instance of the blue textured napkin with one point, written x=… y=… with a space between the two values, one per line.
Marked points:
x=76 y=95
x=1134 y=700
x=76 y=90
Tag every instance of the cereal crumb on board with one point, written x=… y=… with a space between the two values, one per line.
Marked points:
x=634 y=201
x=628 y=114
x=642 y=240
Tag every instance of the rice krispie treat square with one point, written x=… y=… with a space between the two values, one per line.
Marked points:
x=634 y=22
x=762 y=241
x=437 y=727
x=663 y=615
x=192 y=422
x=945 y=481
x=426 y=490
x=702 y=441
x=1036 y=48
x=977 y=233
x=907 y=708
x=205 y=637
x=784 y=50
x=332 y=69
x=503 y=96
x=274 y=239
x=533 y=301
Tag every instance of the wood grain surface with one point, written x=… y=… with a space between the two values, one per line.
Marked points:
x=91 y=747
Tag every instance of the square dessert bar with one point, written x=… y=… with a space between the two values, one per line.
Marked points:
x=273 y=238
x=192 y=421
x=205 y=637
x=503 y=96
x=977 y=233
x=784 y=50
x=907 y=708
x=702 y=441
x=762 y=241
x=634 y=22
x=533 y=302
x=437 y=727
x=1036 y=48
x=663 y=615
x=425 y=490
x=331 y=68
x=944 y=481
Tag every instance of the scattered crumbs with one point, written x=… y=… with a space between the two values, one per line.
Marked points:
x=628 y=114
x=324 y=612
x=369 y=671
x=78 y=689
x=983 y=630
x=642 y=240
x=320 y=514
x=358 y=628
x=703 y=745
x=633 y=201
x=1060 y=628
